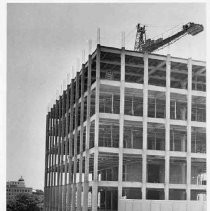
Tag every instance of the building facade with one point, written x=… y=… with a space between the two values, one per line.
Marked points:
x=129 y=125
x=16 y=187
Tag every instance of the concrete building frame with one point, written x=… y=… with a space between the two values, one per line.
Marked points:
x=77 y=160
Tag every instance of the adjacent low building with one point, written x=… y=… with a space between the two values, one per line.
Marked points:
x=16 y=187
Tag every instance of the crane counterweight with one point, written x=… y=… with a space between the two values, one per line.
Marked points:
x=193 y=28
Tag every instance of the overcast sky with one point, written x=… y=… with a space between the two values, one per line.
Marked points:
x=44 y=42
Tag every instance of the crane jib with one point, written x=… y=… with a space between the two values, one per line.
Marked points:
x=150 y=45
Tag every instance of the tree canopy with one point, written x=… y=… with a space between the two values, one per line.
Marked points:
x=23 y=202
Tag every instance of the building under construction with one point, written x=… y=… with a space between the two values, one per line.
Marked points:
x=130 y=125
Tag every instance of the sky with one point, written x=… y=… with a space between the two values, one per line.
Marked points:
x=44 y=41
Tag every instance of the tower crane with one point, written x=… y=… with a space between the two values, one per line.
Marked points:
x=149 y=45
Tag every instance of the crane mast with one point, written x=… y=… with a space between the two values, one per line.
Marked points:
x=140 y=37
x=148 y=45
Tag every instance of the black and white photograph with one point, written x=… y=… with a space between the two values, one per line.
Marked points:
x=104 y=106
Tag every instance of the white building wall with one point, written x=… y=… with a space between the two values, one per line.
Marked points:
x=160 y=205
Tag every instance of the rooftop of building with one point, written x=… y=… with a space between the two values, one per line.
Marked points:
x=152 y=54
x=20 y=183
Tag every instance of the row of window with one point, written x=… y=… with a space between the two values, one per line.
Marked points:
x=155 y=171
x=110 y=103
x=134 y=72
x=133 y=138
x=198 y=84
x=17 y=190
x=158 y=194
x=134 y=107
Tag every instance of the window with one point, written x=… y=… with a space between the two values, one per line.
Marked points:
x=156 y=108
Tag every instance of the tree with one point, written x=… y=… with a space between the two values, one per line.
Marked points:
x=23 y=202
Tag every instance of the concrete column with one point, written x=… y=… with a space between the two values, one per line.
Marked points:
x=66 y=146
x=53 y=165
x=62 y=150
x=69 y=200
x=111 y=199
x=46 y=160
x=167 y=126
x=54 y=156
x=49 y=163
x=183 y=113
x=51 y=159
x=95 y=173
x=121 y=128
x=59 y=154
x=79 y=191
x=145 y=111
x=75 y=144
x=183 y=172
x=86 y=177
x=183 y=143
x=189 y=110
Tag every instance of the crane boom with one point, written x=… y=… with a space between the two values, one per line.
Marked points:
x=152 y=45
